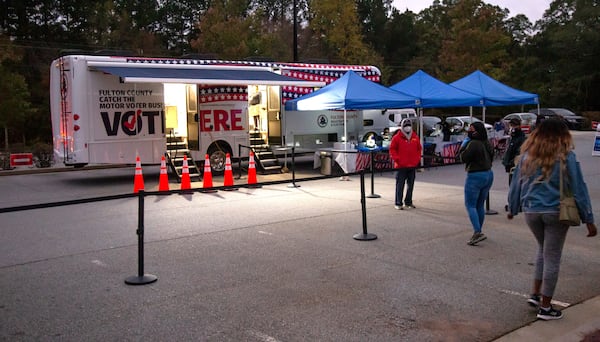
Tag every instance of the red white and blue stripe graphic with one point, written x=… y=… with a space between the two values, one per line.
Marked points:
x=326 y=73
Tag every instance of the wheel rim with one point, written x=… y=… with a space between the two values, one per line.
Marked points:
x=217 y=161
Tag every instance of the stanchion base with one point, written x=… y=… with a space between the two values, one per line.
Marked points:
x=143 y=280
x=293 y=185
x=491 y=212
x=364 y=237
x=373 y=196
x=209 y=191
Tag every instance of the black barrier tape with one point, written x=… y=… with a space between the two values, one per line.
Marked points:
x=169 y=192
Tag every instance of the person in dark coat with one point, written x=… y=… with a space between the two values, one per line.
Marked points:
x=445 y=130
x=477 y=153
x=517 y=137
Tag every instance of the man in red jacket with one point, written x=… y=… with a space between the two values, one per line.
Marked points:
x=405 y=151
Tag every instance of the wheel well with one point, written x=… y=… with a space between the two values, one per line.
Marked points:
x=219 y=145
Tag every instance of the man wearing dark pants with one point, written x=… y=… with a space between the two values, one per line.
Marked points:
x=405 y=151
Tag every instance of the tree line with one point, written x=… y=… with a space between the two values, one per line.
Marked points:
x=554 y=57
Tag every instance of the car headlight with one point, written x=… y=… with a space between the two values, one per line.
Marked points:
x=571 y=119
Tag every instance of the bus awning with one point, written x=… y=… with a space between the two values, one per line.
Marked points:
x=217 y=76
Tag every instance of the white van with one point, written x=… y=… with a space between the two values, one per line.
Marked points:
x=397 y=115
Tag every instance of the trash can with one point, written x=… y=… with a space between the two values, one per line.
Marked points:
x=326 y=163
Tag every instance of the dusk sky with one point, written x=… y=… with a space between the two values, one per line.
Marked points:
x=533 y=9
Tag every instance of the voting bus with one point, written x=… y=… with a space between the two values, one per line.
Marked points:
x=110 y=109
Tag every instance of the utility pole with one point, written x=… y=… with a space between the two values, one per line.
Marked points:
x=295 y=14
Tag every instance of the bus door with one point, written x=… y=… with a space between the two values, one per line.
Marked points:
x=192 y=117
x=274 y=115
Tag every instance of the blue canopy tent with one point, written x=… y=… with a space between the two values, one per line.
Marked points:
x=494 y=93
x=352 y=92
x=433 y=93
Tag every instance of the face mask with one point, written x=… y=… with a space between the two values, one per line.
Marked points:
x=407 y=129
x=472 y=134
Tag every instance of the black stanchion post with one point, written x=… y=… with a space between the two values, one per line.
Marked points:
x=141 y=278
x=487 y=206
x=373 y=194
x=293 y=185
x=239 y=176
x=364 y=236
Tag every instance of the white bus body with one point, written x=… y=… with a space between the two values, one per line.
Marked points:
x=107 y=110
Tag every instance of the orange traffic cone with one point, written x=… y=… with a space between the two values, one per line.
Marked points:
x=207 y=177
x=138 y=180
x=186 y=183
x=252 y=171
x=228 y=176
x=163 y=183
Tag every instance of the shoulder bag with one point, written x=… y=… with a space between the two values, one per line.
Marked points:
x=569 y=214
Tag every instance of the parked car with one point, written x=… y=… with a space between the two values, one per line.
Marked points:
x=431 y=124
x=460 y=124
x=572 y=120
x=527 y=121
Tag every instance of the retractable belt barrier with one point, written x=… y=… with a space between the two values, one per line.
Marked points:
x=143 y=278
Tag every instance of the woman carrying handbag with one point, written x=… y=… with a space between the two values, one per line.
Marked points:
x=536 y=191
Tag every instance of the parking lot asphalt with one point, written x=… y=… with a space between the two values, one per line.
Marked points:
x=280 y=264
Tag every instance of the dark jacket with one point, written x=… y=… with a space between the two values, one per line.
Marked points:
x=513 y=149
x=477 y=153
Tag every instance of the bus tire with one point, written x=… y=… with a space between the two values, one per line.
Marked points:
x=217 y=158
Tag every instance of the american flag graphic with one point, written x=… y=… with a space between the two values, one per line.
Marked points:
x=323 y=73
x=210 y=94
x=302 y=71
x=382 y=161
x=450 y=152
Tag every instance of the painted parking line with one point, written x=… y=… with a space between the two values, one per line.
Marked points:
x=262 y=337
x=99 y=263
x=555 y=302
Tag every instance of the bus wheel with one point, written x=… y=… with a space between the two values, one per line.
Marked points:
x=217 y=160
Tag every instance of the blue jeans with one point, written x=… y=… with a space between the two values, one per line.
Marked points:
x=477 y=188
x=405 y=176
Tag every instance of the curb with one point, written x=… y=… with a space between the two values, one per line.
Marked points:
x=30 y=171
x=581 y=322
